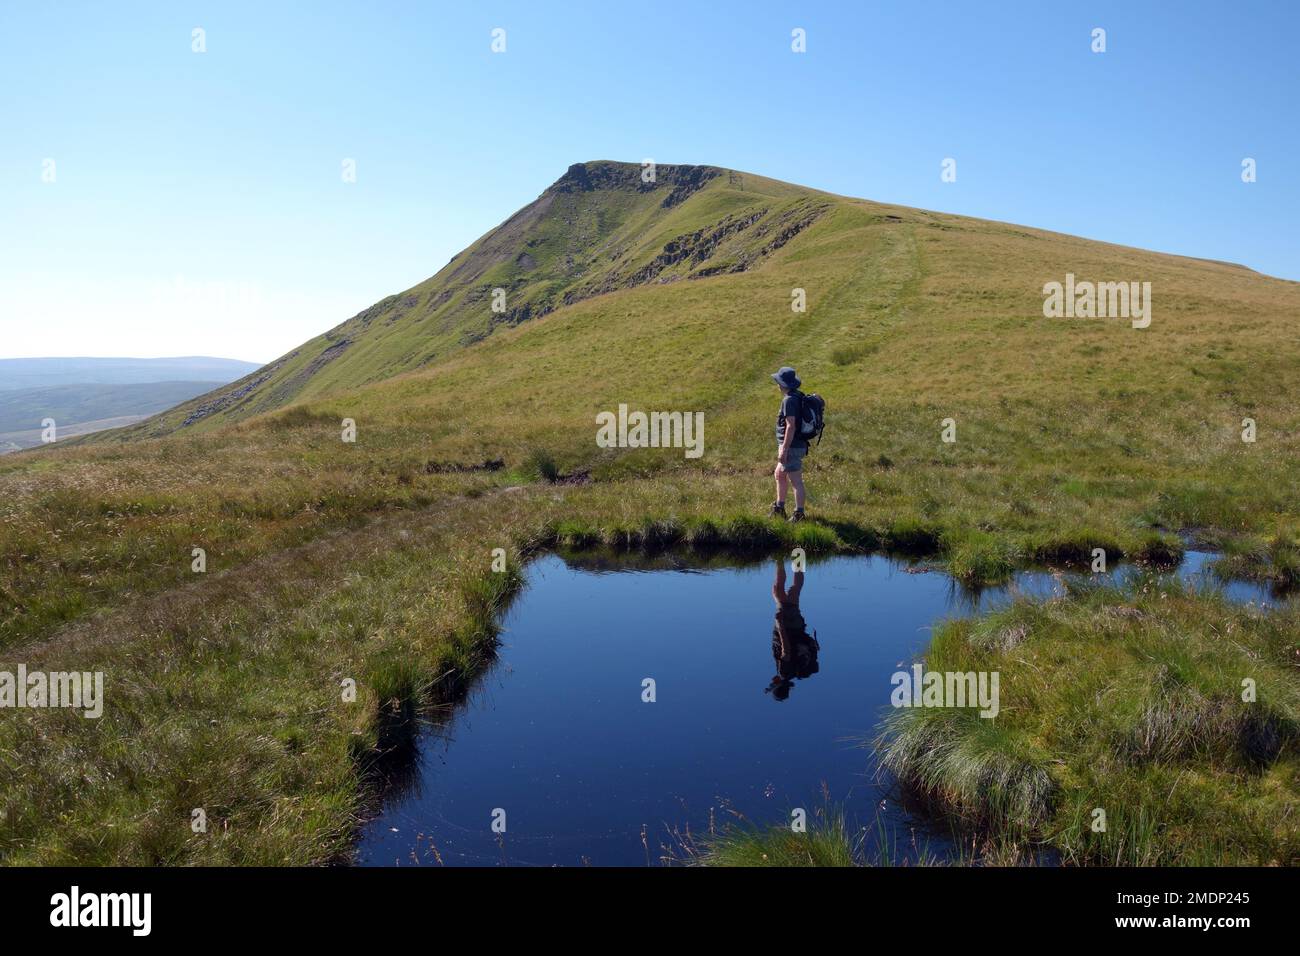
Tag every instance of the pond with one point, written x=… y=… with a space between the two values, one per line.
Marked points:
x=753 y=714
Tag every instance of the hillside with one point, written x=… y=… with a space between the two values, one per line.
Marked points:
x=477 y=430
x=600 y=229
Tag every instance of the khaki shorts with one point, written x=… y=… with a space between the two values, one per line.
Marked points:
x=794 y=457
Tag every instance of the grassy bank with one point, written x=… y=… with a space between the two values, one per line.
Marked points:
x=227 y=695
x=1130 y=703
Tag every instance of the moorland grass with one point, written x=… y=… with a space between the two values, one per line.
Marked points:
x=1274 y=560
x=227 y=695
x=1125 y=701
x=827 y=840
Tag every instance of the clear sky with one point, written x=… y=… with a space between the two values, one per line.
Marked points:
x=198 y=204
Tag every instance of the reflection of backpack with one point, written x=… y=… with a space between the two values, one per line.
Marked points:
x=812 y=416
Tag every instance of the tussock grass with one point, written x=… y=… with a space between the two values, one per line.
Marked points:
x=1160 y=550
x=1179 y=723
x=739 y=533
x=910 y=536
x=988 y=775
x=978 y=557
x=1275 y=559
x=1074 y=549
x=1125 y=701
x=538 y=465
x=827 y=843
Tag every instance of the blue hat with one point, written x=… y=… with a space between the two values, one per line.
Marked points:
x=785 y=377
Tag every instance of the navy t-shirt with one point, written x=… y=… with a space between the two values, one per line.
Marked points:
x=791 y=404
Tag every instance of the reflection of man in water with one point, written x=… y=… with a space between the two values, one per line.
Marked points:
x=794 y=650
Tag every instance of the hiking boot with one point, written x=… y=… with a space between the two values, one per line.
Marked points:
x=797 y=516
x=778 y=510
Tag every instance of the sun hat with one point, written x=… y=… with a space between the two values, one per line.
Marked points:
x=785 y=377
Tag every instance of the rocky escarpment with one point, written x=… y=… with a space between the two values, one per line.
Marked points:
x=681 y=180
x=735 y=243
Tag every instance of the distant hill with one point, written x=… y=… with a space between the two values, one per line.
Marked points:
x=39 y=372
x=85 y=395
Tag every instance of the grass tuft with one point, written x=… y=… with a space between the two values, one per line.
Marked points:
x=826 y=843
x=538 y=465
x=979 y=558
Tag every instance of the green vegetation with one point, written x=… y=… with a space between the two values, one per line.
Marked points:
x=1127 y=701
x=328 y=559
x=1275 y=560
x=539 y=466
x=827 y=842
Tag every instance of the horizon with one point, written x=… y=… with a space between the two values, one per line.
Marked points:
x=213 y=184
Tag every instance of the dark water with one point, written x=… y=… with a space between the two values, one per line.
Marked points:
x=557 y=734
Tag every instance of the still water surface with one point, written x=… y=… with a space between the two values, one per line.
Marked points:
x=558 y=736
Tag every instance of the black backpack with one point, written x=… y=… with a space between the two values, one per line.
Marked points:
x=812 y=416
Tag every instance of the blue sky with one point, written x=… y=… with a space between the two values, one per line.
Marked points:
x=198 y=205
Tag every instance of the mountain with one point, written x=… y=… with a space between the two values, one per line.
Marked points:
x=599 y=228
x=677 y=294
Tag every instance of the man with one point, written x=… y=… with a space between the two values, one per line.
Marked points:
x=791 y=446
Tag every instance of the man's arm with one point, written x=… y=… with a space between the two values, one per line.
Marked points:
x=791 y=425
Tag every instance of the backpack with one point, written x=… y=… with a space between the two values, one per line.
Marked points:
x=812 y=416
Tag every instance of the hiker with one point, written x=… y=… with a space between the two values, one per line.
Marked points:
x=793 y=648
x=791 y=443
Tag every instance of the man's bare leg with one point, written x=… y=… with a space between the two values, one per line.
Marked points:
x=796 y=479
